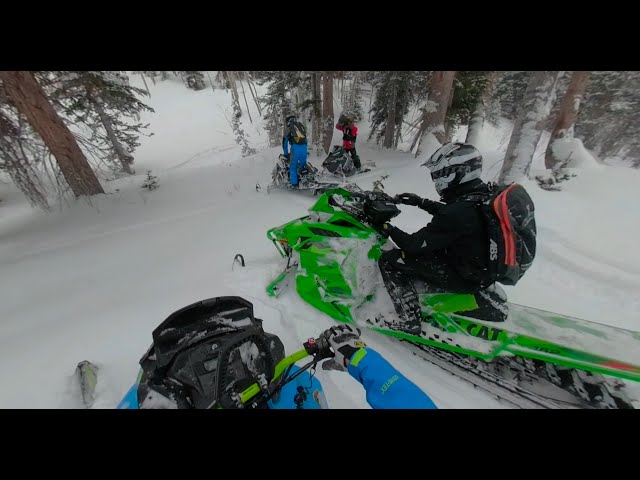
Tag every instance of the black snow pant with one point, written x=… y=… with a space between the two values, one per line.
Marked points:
x=399 y=271
x=354 y=157
x=433 y=270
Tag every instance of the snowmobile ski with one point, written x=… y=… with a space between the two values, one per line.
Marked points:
x=87 y=376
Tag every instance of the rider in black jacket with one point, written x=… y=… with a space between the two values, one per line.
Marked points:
x=451 y=251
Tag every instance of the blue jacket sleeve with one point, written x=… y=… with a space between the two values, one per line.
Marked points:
x=386 y=387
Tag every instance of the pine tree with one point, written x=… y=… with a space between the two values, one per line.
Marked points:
x=609 y=117
x=395 y=92
x=110 y=108
x=510 y=88
x=277 y=101
x=477 y=118
x=241 y=138
x=468 y=88
x=352 y=106
x=21 y=152
x=24 y=92
x=435 y=109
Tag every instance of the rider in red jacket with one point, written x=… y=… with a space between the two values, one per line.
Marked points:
x=345 y=124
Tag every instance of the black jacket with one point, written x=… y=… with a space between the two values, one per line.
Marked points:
x=457 y=230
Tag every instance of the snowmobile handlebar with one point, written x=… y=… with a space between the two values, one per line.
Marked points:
x=317 y=347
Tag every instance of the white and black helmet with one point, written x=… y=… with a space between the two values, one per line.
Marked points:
x=454 y=164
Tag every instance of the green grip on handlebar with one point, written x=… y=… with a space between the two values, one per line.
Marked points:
x=250 y=392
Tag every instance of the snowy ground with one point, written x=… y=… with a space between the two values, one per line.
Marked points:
x=92 y=281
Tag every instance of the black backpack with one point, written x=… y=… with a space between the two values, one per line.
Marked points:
x=297 y=133
x=511 y=227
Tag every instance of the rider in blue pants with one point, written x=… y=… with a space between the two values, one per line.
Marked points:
x=295 y=135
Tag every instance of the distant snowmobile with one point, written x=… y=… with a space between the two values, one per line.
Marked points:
x=339 y=163
x=310 y=178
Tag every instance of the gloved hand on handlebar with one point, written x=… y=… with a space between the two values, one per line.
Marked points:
x=344 y=341
x=409 y=199
x=424 y=203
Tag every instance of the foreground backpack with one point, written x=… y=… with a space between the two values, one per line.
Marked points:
x=511 y=227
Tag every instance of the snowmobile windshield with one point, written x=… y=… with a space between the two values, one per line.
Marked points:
x=209 y=352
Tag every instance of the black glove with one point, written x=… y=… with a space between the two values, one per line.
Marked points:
x=409 y=199
x=344 y=341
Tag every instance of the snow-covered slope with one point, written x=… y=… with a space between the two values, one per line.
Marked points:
x=93 y=280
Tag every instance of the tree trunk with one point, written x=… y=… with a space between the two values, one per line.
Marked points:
x=315 y=114
x=254 y=94
x=351 y=97
x=567 y=115
x=448 y=122
x=24 y=92
x=126 y=159
x=245 y=101
x=527 y=127
x=389 y=127
x=145 y=85
x=211 y=82
x=476 y=122
x=327 y=110
x=231 y=77
x=436 y=107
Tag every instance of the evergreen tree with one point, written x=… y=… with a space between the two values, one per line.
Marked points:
x=108 y=106
x=609 y=118
x=395 y=92
x=468 y=88
x=241 y=138
x=23 y=91
x=509 y=94
x=352 y=106
x=22 y=153
x=278 y=102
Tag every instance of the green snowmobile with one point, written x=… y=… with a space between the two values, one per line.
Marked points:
x=333 y=254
